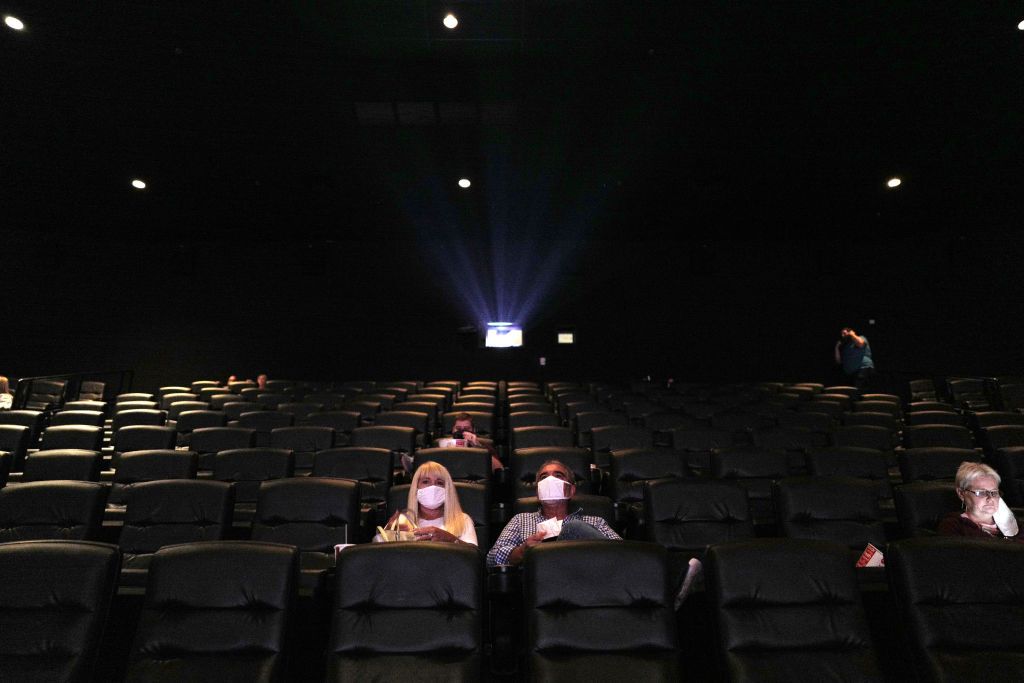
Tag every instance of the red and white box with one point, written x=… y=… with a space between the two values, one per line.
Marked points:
x=871 y=557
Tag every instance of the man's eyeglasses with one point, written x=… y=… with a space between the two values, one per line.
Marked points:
x=983 y=493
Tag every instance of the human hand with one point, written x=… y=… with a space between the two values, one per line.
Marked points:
x=535 y=539
x=401 y=526
x=471 y=439
x=429 y=533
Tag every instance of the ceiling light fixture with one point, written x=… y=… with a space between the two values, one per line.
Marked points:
x=1020 y=26
x=893 y=182
x=464 y=183
x=450 y=21
x=139 y=184
x=14 y=22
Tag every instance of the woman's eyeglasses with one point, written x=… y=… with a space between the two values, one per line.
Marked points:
x=983 y=493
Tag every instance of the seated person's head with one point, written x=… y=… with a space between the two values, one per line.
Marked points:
x=432 y=488
x=4 y=385
x=261 y=380
x=554 y=471
x=977 y=486
x=463 y=423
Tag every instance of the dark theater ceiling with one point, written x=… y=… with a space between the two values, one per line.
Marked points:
x=327 y=121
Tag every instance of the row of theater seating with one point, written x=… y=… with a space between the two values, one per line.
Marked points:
x=800 y=431
x=973 y=393
x=682 y=514
x=783 y=610
x=967 y=394
x=630 y=469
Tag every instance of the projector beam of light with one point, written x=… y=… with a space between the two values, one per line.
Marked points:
x=430 y=209
x=505 y=251
x=533 y=239
x=527 y=253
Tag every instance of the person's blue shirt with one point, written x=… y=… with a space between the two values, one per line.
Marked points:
x=856 y=359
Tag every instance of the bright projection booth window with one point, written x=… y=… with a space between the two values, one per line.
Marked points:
x=503 y=335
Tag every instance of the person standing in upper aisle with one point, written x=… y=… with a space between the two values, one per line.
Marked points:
x=853 y=354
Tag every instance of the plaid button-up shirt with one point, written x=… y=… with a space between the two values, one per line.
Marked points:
x=524 y=525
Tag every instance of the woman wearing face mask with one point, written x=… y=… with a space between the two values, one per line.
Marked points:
x=984 y=515
x=433 y=506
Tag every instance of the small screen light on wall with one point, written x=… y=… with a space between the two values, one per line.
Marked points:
x=566 y=337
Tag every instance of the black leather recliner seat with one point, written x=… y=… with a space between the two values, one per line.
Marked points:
x=407 y=611
x=54 y=600
x=215 y=611
x=789 y=610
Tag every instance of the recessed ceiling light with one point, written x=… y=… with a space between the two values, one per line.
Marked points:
x=464 y=183
x=893 y=182
x=450 y=21
x=14 y=22
x=139 y=184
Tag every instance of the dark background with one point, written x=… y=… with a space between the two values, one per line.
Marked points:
x=696 y=188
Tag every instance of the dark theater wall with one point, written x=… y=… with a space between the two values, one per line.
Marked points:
x=690 y=309
x=715 y=177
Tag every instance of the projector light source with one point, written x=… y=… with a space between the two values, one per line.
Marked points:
x=14 y=22
x=464 y=183
x=1020 y=26
x=893 y=182
x=139 y=184
x=503 y=335
x=450 y=21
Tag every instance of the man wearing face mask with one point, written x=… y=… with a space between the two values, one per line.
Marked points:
x=553 y=520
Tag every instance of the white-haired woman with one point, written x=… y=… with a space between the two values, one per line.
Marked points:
x=433 y=505
x=984 y=515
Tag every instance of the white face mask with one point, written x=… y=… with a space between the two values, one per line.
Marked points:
x=551 y=488
x=430 y=497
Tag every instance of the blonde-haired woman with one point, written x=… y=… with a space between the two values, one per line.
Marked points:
x=985 y=515
x=6 y=399
x=433 y=505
